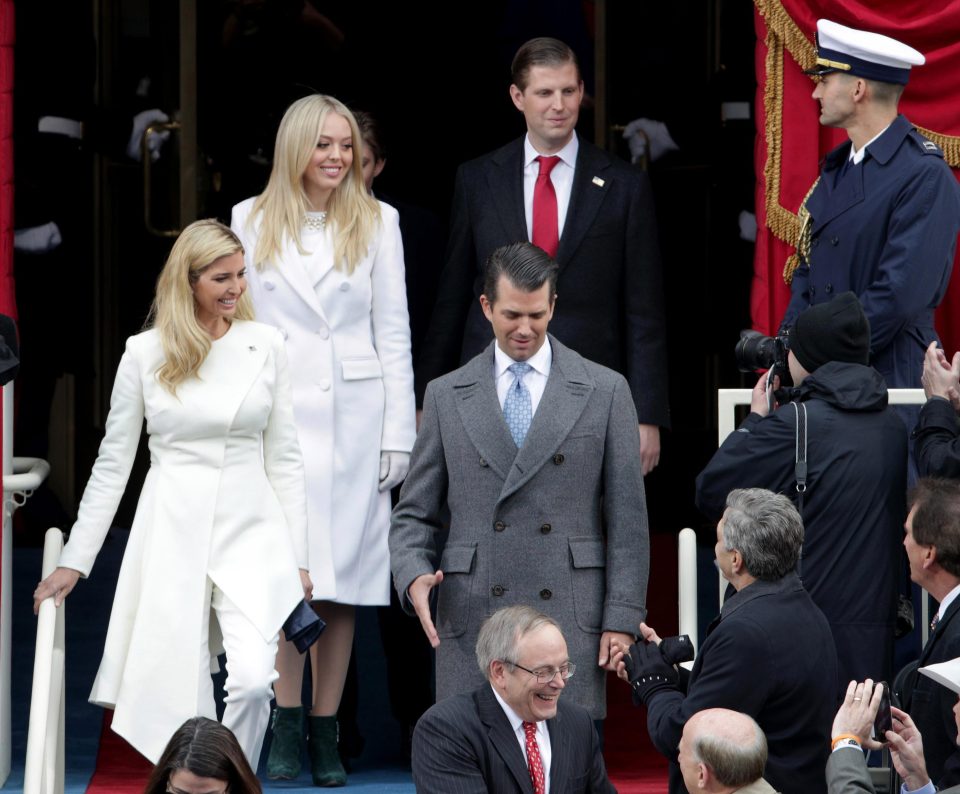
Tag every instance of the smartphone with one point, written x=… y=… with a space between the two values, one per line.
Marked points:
x=883 y=721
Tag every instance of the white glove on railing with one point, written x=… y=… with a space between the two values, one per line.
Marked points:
x=393 y=468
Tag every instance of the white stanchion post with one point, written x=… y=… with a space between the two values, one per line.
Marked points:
x=687 y=579
x=6 y=589
x=44 y=768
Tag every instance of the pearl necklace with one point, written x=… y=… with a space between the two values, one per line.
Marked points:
x=316 y=222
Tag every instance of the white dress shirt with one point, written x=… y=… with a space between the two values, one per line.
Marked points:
x=561 y=176
x=543 y=738
x=947 y=599
x=535 y=380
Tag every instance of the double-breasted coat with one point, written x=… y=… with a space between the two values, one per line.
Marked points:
x=560 y=524
x=886 y=229
x=348 y=338
x=223 y=501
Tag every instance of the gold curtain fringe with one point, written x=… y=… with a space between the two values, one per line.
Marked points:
x=784 y=35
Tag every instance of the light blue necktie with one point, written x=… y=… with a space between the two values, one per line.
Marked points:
x=517 y=407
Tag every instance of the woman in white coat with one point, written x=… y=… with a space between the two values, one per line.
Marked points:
x=221 y=523
x=326 y=267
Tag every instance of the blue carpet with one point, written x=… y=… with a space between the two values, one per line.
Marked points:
x=379 y=767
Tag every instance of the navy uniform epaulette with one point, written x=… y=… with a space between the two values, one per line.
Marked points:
x=926 y=145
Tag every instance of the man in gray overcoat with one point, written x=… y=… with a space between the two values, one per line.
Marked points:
x=533 y=449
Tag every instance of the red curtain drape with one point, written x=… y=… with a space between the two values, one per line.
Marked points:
x=791 y=142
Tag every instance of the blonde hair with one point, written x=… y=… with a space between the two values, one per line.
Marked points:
x=351 y=212
x=174 y=311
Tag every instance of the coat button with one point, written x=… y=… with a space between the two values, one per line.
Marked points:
x=558 y=458
x=497 y=590
x=828 y=288
x=269 y=285
x=499 y=526
x=344 y=286
x=813 y=291
x=834 y=240
x=483 y=463
x=545 y=529
x=324 y=332
x=545 y=594
x=815 y=242
x=324 y=384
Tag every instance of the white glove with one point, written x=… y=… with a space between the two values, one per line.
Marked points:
x=393 y=468
x=141 y=121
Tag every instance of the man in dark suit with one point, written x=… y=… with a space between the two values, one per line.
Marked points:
x=533 y=449
x=770 y=654
x=512 y=734
x=932 y=543
x=591 y=212
x=847 y=768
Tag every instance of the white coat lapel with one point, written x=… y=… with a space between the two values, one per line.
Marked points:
x=300 y=275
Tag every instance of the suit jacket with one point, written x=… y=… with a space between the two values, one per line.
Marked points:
x=223 y=500
x=931 y=705
x=465 y=745
x=769 y=655
x=610 y=293
x=560 y=524
x=847 y=774
x=757 y=787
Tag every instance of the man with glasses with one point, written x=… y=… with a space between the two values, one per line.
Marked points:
x=512 y=734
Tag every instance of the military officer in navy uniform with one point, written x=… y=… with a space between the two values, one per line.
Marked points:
x=883 y=217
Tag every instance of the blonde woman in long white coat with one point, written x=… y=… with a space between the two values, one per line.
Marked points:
x=325 y=265
x=220 y=528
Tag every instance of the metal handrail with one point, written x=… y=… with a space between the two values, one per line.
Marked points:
x=44 y=768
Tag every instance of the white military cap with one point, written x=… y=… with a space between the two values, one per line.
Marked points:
x=865 y=54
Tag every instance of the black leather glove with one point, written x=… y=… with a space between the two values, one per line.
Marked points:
x=649 y=672
x=677 y=649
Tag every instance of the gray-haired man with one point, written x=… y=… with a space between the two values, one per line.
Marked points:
x=512 y=734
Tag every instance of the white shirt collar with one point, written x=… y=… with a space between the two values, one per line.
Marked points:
x=858 y=154
x=947 y=600
x=516 y=722
x=540 y=361
x=568 y=153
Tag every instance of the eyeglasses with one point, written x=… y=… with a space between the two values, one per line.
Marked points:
x=546 y=674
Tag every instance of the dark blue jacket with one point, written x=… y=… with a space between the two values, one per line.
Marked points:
x=854 y=506
x=770 y=655
x=886 y=230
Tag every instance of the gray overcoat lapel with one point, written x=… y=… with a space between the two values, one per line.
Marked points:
x=503 y=739
x=505 y=181
x=591 y=181
x=481 y=415
x=566 y=395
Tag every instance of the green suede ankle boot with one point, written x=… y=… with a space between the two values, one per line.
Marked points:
x=325 y=763
x=283 y=763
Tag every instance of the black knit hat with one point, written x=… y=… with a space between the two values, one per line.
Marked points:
x=834 y=331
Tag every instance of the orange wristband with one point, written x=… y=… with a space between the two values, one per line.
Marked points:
x=837 y=739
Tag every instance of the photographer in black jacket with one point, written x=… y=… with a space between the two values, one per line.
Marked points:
x=851 y=495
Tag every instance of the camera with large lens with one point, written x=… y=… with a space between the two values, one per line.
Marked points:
x=755 y=351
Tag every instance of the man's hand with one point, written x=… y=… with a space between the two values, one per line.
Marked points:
x=858 y=711
x=610 y=643
x=419 y=595
x=760 y=399
x=941 y=378
x=646 y=670
x=649 y=448
x=58 y=584
x=649 y=634
x=906 y=750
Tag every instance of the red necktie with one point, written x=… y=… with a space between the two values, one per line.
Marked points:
x=546 y=232
x=533 y=757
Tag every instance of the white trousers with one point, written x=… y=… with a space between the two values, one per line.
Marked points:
x=251 y=671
